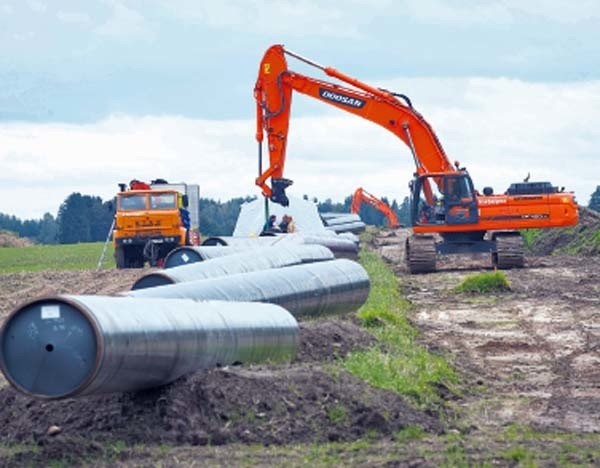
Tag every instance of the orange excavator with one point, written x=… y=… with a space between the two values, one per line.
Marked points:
x=362 y=196
x=448 y=215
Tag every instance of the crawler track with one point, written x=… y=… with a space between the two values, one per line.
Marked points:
x=421 y=254
x=509 y=251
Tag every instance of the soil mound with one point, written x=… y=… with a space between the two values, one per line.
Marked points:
x=265 y=405
x=583 y=239
x=331 y=339
x=10 y=239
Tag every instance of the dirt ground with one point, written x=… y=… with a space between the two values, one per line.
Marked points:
x=534 y=351
x=529 y=356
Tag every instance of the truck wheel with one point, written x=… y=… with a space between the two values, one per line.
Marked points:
x=120 y=257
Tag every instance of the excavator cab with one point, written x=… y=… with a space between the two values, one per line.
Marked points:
x=443 y=199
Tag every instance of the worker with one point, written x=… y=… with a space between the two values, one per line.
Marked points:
x=291 y=225
x=184 y=214
x=439 y=214
x=287 y=224
x=270 y=224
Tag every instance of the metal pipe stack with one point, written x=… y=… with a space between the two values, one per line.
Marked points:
x=340 y=246
x=263 y=258
x=312 y=289
x=244 y=242
x=67 y=346
x=191 y=254
x=228 y=309
x=354 y=227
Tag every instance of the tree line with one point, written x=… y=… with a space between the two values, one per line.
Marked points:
x=87 y=218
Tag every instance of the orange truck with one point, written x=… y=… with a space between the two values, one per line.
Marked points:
x=448 y=215
x=153 y=219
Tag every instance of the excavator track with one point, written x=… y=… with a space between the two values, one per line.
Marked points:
x=509 y=251
x=420 y=254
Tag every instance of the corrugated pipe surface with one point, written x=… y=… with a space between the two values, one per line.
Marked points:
x=354 y=227
x=342 y=218
x=263 y=258
x=312 y=289
x=190 y=254
x=65 y=346
x=341 y=247
x=246 y=242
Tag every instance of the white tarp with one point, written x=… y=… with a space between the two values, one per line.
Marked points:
x=304 y=213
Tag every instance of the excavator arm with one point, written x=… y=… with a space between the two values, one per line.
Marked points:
x=361 y=195
x=394 y=112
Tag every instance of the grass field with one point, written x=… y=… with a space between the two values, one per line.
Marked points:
x=55 y=257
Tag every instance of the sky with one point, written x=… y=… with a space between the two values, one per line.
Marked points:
x=100 y=92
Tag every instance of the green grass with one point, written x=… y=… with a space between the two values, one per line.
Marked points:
x=337 y=414
x=530 y=236
x=397 y=362
x=488 y=282
x=83 y=256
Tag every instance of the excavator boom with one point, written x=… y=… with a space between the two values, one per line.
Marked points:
x=362 y=196
x=273 y=94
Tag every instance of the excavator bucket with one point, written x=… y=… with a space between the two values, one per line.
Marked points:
x=278 y=187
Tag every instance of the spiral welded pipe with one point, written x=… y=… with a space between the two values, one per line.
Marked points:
x=263 y=258
x=312 y=289
x=65 y=346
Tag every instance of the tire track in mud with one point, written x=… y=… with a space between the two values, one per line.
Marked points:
x=530 y=356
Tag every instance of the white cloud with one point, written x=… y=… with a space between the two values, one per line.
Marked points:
x=444 y=12
x=289 y=17
x=73 y=17
x=125 y=24
x=500 y=129
x=37 y=6
x=461 y=12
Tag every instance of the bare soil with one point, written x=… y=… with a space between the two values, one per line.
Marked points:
x=533 y=352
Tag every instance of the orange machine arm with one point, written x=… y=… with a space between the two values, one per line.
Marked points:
x=273 y=94
x=361 y=195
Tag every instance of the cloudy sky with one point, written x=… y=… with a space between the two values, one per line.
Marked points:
x=99 y=92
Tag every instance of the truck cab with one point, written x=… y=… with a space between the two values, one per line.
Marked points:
x=148 y=225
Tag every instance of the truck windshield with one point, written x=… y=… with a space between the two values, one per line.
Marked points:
x=163 y=201
x=132 y=202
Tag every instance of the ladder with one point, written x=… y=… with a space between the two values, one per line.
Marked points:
x=101 y=260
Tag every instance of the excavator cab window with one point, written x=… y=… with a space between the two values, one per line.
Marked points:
x=459 y=200
x=443 y=200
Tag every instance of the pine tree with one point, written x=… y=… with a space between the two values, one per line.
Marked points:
x=595 y=200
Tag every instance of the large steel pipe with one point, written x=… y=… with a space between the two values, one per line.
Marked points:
x=245 y=242
x=190 y=254
x=64 y=346
x=343 y=218
x=340 y=246
x=354 y=227
x=263 y=258
x=311 y=289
